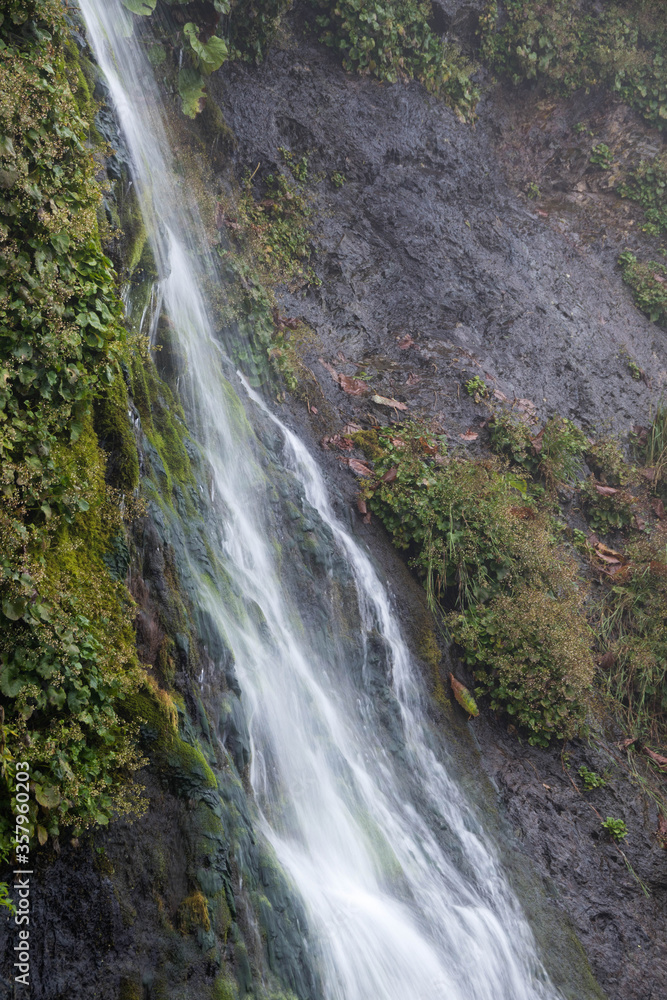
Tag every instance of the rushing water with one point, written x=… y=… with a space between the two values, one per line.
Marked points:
x=405 y=896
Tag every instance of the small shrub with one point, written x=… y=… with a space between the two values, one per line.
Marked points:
x=555 y=452
x=647 y=185
x=606 y=511
x=591 y=779
x=648 y=282
x=531 y=655
x=616 y=828
x=601 y=156
x=477 y=387
x=338 y=179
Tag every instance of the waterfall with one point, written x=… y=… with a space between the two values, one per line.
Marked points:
x=405 y=894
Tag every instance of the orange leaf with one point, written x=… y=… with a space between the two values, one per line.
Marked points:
x=359 y=468
x=463 y=696
x=657 y=758
x=393 y=403
x=469 y=436
x=352 y=386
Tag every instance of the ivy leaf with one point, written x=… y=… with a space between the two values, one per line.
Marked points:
x=191 y=91
x=42 y=835
x=10 y=681
x=141 y=7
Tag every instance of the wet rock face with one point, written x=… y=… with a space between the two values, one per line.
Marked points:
x=424 y=239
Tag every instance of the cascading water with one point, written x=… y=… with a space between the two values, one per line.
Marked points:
x=405 y=895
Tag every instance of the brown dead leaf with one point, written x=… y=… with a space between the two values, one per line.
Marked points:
x=607 y=660
x=537 y=442
x=525 y=406
x=641 y=433
x=390 y=475
x=352 y=386
x=361 y=506
x=659 y=509
x=624 y=744
x=542 y=213
x=500 y=396
x=603 y=549
x=393 y=403
x=648 y=474
x=350 y=429
x=524 y=513
x=398 y=442
x=657 y=758
x=405 y=342
x=332 y=371
x=425 y=446
x=660 y=278
x=359 y=468
x=314 y=409
x=469 y=436
x=605 y=491
x=610 y=560
x=463 y=696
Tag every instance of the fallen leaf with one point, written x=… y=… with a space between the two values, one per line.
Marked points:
x=657 y=758
x=406 y=342
x=525 y=406
x=430 y=449
x=624 y=744
x=463 y=696
x=359 y=468
x=648 y=474
x=393 y=403
x=469 y=436
x=350 y=429
x=605 y=491
x=352 y=386
x=658 y=509
x=361 y=506
x=544 y=215
x=332 y=371
x=313 y=409
x=524 y=513
x=398 y=442
x=537 y=442
x=390 y=475
x=42 y=835
x=610 y=560
x=548 y=787
x=500 y=396
x=603 y=549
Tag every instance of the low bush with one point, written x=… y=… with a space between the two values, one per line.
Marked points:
x=648 y=282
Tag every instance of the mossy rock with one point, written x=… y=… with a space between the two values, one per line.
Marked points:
x=130 y=989
x=193 y=914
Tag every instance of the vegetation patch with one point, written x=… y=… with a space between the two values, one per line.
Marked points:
x=648 y=282
x=481 y=545
x=568 y=46
x=393 y=41
x=67 y=656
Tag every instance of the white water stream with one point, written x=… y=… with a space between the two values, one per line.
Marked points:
x=395 y=912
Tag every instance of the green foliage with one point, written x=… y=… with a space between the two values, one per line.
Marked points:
x=66 y=641
x=531 y=654
x=475 y=541
x=555 y=452
x=655 y=449
x=616 y=828
x=591 y=779
x=607 y=461
x=632 y=629
x=606 y=511
x=647 y=185
x=338 y=179
x=280 y=227
x=141 y=7
x=568 y=46
x=191 y=90
x=253 y=25
x=392 y=40
x=477 y=387
x=601 y=156
x=209 y=55
x=648 y=282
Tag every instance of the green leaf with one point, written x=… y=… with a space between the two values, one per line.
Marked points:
x=10 y=681
x=141 y=7
x=14 y=609
x=211 y=54
x=191 y=91
x=48 y=797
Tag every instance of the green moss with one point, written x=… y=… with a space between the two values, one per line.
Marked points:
x=130 y=989
x=224 y=988
x=648 y=282
x=193 y=914
x=368 y=442
x=113 y=429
